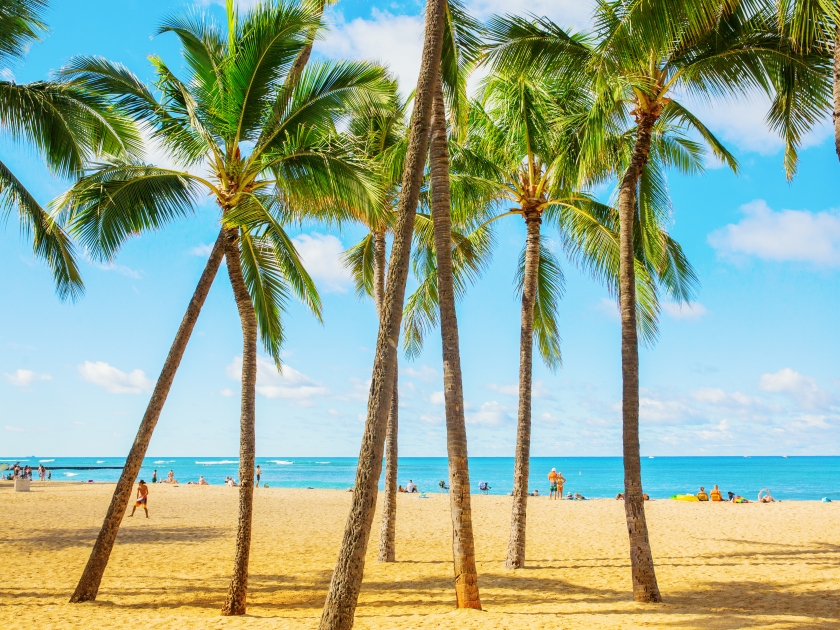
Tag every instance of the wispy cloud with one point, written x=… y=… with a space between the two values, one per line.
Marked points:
x=25 y=378
x=290 y=384
x=113 y=379
x=490 y=414
x=802 y=389
x=691 y=310
x=201 y=250
x=128 y=272
x=321 y=254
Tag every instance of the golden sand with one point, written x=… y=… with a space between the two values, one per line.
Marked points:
x=719 y=565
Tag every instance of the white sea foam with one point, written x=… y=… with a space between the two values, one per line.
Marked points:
x=163 y=461
x=323 y=462
x=282 y=462
x=44 y=461
x=71 y=474
x=224 y=461
x=100 y=461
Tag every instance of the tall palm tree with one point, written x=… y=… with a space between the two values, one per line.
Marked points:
x=68 y=128
x=642 y=56
x=379 y=136
x=271 y=152
x=340 y=606
x=460 y=51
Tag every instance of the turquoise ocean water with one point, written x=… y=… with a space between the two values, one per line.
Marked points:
x=791 y=478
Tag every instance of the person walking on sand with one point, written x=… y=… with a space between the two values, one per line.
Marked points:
x=142 y=498
x=259 y=472
x=552 y=480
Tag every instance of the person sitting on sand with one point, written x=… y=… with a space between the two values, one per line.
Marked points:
x=702 y=496
x=202 y=481
x=142 y=498
x=766 y=498
x=579 y=497
x=646 y=497
x=411 y=487
x=619 y=497
x=535 y=493
x=715 y=494
x=401 y=489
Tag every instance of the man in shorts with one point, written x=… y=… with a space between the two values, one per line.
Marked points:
x=259 y=472
x=142 y=498
x=552 y=480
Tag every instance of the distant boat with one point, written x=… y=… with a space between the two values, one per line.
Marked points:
x=650 y=456
x=746 y=456
x=784 y=456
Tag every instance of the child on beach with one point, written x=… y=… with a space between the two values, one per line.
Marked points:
x=142 y=498
x=259 y=472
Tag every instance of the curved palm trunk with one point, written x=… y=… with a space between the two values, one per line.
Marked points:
x=388 y=533
x=645 y=588
x=837 y=91
x=88 y=585
x=340 y=607
x=463 y=546
x=522 y=465
x=238 y=590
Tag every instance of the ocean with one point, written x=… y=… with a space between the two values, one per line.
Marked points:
x=791 y=478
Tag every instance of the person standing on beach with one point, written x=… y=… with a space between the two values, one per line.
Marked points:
x=552 y=479
x=560 y=481
x=154 y=476
x=259 y=472
x=142 y=498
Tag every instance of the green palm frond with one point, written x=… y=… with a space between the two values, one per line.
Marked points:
x=119 y=200
x=21 y=23
x=359 y=260
x=550 y=288
x=269 y=293
x=50 y=243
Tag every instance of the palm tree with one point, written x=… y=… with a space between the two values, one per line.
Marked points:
x=641 y=58
x=272 y=154
x=379 y=136
x=340 y=606
x=460 y=51
x=67 y=127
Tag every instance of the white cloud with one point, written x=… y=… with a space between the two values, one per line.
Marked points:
x=491 y=414
x=692 y=310
x=396 y=40
x=201 y=250
x=321 y=255
x=788 y=235
x=15 y=429
x=803 y=389
x=425 y=373
x=24 y=378
x=114 y=380
x=508 y=390
x=227 y=392
x=437 y=398
x=289 y=385
x=568 y=14
x=120 y=269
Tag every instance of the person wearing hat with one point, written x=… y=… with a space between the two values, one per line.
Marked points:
x=552 y=479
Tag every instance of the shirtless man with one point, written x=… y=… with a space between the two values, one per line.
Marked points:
x=259 y=472
x=142 y=498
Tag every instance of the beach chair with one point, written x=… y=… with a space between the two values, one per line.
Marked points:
x=443 y=487
x=484 y=487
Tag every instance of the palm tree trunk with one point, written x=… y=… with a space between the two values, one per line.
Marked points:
x=88 y=585
x=340 y=607
x=388 y=533
x=522 y=465
x=238 y=590
x=463 y=546
x=837 y=90
x=645 y=588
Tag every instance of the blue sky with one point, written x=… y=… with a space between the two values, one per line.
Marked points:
x=749 y=368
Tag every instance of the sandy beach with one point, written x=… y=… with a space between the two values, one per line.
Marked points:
x=719 y=565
